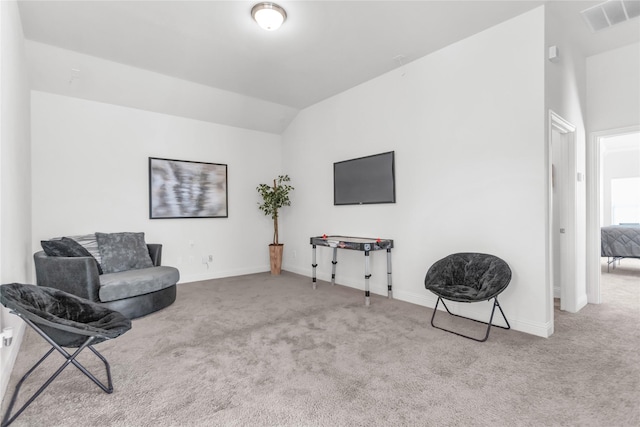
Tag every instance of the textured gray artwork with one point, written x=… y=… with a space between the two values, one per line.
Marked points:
x=184 y=189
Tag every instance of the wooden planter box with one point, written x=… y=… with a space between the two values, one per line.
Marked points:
x=275 y=257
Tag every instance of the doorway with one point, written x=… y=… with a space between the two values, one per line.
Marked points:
x=614 y=162
x=564 y=274
x=559 y=190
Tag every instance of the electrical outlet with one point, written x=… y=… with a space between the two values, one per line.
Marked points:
x=6 y=337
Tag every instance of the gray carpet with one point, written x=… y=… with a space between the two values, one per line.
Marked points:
x=259 y=350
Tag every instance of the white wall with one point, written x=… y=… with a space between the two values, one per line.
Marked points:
x=50 y=70
x=15 y=171
x=467 y=124
x=90 y=173
x=613 y=92
x=620 y=159
x=565 y=91
x=613 y=88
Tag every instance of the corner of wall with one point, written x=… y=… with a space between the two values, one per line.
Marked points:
x=15 y=173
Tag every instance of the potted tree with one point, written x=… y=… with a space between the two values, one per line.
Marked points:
x=273 y=198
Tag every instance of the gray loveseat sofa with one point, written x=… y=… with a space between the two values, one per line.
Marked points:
x=118 y=270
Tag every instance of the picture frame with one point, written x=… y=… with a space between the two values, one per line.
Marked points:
x=187 y=189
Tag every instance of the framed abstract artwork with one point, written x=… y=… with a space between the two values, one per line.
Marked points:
x=187 y=189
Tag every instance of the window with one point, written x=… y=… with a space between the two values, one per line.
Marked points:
x=625 y=200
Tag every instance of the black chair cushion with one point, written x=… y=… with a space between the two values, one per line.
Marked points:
x=468 y=277
x=66 y=318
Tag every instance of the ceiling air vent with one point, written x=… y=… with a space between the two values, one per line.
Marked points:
x=610 y=13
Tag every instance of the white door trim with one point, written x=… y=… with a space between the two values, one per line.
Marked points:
x=570 y=294
x=593 y=208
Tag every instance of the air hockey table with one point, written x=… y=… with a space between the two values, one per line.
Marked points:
x=362 y=244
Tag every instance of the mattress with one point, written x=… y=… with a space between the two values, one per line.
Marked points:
x=620 y=241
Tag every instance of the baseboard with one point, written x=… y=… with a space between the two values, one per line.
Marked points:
x=427 y=299
x=11 y=354
x=582 y=302
x=544 y=330
x=224 y=273
x=481 y=312
x=377 y=289
x=477 y=311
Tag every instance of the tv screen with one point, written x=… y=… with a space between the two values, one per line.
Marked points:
x=365 y=180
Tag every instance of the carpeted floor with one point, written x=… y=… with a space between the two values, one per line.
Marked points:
x=259 y=350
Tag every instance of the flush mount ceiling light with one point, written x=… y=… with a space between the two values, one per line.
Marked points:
x=268 y=15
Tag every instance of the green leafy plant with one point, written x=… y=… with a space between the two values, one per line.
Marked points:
x=273 y=199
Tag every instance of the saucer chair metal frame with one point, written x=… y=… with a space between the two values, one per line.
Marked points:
x=58 y=332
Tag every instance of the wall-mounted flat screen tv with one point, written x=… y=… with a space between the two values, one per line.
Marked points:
x=365 y=180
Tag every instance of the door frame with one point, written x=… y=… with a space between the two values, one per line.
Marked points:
x=560 y=225
x=594 y=194
x=570 y=297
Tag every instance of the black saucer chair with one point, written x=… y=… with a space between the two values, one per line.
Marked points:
x=469 y=277
x=63 y=320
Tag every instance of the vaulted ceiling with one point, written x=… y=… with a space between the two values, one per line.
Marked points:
x=324 y=47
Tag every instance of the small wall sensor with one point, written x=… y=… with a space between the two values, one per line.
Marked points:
x=554 y=54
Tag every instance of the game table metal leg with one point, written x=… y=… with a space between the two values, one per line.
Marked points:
x=367 y=275
x=313 y=265
x=333 y=266
x=389 y=285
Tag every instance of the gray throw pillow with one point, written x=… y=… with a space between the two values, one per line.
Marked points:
x=89 y=242
x=123 y=251
x=67 y=247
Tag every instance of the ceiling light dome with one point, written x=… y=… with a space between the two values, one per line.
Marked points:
x=268 y=15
